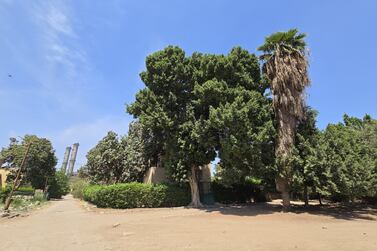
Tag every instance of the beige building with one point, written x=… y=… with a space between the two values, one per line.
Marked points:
x=157 y=174
x=3 y=176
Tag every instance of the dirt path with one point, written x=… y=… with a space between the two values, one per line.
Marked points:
x=68 y=225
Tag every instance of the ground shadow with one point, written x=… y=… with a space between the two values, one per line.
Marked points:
x=337 y=211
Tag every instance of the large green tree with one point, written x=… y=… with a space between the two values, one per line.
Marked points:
x=182 y=105
x=286 y=68
x=40 y=162
x=348 y=153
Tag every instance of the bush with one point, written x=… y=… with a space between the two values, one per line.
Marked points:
x=134 y=195
x=237 y=193
x=58 y=186
x=77 y=188
x=4 y=194
x=22 y=191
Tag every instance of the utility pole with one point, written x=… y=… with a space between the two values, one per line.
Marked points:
x=17 y=180
x=65 y=160
x=72 y=159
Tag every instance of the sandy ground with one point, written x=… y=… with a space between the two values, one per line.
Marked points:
x=70 y=224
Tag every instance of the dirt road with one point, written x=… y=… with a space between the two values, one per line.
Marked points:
x=70 y=225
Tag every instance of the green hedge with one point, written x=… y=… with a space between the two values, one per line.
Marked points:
x=134 y=195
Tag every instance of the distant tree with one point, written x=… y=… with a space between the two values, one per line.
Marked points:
x=286 y=68
x=349 y=153
x=82 y=173
x=58 y=185
x=136 y=145
x=106 y=161
x=118 y=159
x=40 y=163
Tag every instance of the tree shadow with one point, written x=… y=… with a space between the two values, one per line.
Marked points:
x=337 y=211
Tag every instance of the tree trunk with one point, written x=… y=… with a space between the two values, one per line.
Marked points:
x=194 y=186
x=286 y=200
x=285 y=143
x=320 y=199
x=283 y=188
x=306 y=196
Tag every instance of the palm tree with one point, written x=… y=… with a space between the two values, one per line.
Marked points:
x=286 y=68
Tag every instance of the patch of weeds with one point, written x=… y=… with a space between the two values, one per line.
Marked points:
x=25 y=203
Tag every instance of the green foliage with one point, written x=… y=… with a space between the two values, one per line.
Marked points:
x=237 y=192
x=340 y=162
x=137 y=145
x=188 y=105
x=58 y=185
x=22 y=191
x=77 y=188
x=4 y=194
x=39 y=195
x=290 y=40
x=115 y=160
x=306 y=169
x=133 y=195
x=25 y=190
x=105 y=162
x=40 y=163
x=246 y=137
x=349 y=154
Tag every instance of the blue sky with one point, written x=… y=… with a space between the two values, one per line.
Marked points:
x=75 y=64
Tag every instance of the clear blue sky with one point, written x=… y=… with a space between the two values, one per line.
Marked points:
x=74 y=64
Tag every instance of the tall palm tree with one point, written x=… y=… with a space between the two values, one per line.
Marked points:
x=286 y=68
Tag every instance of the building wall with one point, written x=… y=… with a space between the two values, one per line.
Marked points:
x=155 y=175
x=3 y=177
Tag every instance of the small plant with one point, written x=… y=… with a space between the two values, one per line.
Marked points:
x=77 y=187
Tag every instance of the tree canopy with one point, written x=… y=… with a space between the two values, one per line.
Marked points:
x=40 y=162
x=119 y=159
x=183 y=105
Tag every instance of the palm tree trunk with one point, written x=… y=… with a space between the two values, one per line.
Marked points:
x=194 y=186
x=286 y=135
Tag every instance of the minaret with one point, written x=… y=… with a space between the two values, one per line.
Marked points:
x=73 y=158
x=65 y=160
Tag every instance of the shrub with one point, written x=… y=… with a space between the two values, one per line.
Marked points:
x=77 y=187
x=4 y=193
x=134 y=195
x=39 y=195
x=22 y=191
x=58 y=186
